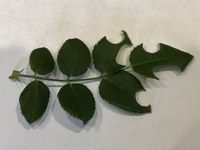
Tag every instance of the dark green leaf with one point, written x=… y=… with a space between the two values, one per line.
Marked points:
x=34 y=100
x=78 y=101
x=119 y=89
x=41 y=61
x=73 y=58
x=104 y=54
x=144 y=63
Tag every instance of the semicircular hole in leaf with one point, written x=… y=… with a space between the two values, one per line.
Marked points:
x=119 y=90
x=145 y=63
x=105 y=53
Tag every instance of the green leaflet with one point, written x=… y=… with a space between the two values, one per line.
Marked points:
x=104 y=54
x=34 y=100
x=73 y=58
x=119 y=89
x=41 y=61
x=78 y=101
x=144 y=63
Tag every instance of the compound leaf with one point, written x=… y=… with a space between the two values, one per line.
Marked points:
x=119 y=89
x=41 y=61
x=73 y=58
x=144 y=63
x=34 y=100
x=78 y=101
x=104 y=54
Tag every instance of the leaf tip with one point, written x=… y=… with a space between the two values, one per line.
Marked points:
x=156 y=77
x=146 y=109
x=149 y=110
x=30 y=122
x=151 y=75
x=85 y=122
x=126 y=38
x=190 y=58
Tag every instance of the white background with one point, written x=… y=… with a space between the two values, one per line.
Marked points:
x=174 y=123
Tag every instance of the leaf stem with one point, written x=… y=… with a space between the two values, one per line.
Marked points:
x=17 y=74
x=60 y=80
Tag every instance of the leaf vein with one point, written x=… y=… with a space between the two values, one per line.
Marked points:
x=76 y=96
x=157 y=60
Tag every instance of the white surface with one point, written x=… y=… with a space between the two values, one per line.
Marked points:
x=174 y=123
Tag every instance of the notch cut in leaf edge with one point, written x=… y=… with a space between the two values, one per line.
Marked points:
x=145 y=63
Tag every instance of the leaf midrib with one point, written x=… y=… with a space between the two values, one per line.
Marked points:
x=39 y=66
x=157 y=60
x=111 y=58
x=74 y=60
x=118 y=87
x=76 y=96
x=36 y=90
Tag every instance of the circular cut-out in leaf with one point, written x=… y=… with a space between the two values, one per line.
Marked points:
x=105 y=53
x=41 y=61
x=78 y=101
x=34 y=100
x=119 y=89
x=73 y=58
x=144 y=62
